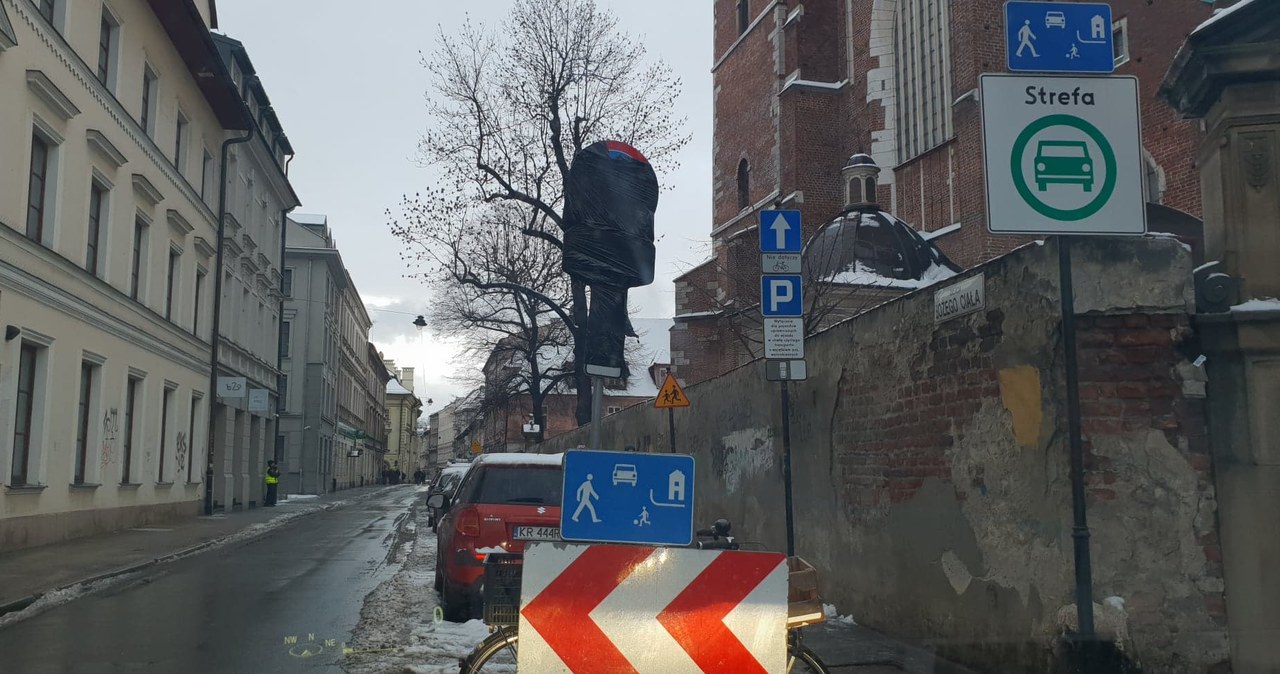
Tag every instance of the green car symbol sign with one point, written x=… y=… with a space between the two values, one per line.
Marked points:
x=1059 y=161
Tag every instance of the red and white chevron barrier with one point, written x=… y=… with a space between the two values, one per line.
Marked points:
x=589 y=609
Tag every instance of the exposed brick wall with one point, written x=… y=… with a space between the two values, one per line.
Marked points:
x=745 y=112
x=932 y=469
x=798 y=140
x=1129 y=382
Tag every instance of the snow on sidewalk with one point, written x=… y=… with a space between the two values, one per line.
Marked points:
x=400 y=629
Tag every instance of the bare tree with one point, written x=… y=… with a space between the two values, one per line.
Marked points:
x=735 y=266
x=500 y=291
x=511 y=106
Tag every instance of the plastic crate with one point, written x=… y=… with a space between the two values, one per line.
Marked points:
x=502 y=572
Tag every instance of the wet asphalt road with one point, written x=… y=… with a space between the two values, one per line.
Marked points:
x=230 y=610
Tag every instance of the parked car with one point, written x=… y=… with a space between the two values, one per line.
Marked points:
x=1055 y=20
x=447 y=483
x=503 y=502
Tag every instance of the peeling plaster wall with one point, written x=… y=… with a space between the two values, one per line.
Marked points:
x=931 y=469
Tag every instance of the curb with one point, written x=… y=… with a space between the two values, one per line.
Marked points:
x=20 y=604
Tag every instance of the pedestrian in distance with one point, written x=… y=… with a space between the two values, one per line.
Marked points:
x=272 y=479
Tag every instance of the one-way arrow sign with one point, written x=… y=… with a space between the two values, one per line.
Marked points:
x=780 y=232
x=613 y=608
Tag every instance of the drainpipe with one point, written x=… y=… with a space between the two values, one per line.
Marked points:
x=217 y=317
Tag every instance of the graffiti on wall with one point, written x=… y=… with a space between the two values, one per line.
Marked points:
x=182 y=453
x=110 y=433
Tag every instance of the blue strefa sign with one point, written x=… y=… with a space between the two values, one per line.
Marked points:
x=625 y=497
x=780 y=232
x=1059 y=37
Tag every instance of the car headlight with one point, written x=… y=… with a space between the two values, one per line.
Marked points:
x=1086 y=168
x=1040 y=167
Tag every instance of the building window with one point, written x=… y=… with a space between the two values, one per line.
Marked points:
x=206 y=177
x=164 y=431
x=108 y=30
x=195 y=320
x=136 y=270
x=24 y=414
x=191 y=438
x=924 y=76
x=37 y=188
x=1120 y=41
x=97 y=209
x=175 y=258
x=84 y=417
x=286 y=283
x=46 y=9
x=744 y=184
x=147 y=119
x=282 y=397
x=130 y=409
x=744 y=16
x=180 y=144
x=613 y=409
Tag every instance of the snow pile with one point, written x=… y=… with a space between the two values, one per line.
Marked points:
x=1268 y=304
x=519 y=459
x=56 y=598
x=399 y=630
x=1219 y=14
x=834 y=617
x=863 y=275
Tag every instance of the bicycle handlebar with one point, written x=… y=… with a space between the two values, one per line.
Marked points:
x=729 y=544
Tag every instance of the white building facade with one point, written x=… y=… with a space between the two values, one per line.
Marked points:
x=258 y=197
x=107 y=243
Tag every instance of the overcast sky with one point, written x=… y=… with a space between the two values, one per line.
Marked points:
x=349 y=89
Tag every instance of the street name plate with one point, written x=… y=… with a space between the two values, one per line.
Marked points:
x=960 y=298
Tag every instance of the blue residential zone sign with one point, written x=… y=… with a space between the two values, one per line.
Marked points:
x=1059 y=37
x=782 y=295
x=625 y=497
x=780 y=232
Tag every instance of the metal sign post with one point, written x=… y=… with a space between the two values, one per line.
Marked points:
x=782 y=308
x=1063 y=157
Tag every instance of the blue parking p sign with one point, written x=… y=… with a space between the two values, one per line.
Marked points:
x=626 y=497
x=1059 y=37
x=782 y=295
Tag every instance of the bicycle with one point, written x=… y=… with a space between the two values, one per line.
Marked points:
x=498 y=652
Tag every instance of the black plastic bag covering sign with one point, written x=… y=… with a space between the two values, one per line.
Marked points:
x=610 y=198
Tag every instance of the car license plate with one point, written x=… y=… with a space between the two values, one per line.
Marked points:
x=536 y=533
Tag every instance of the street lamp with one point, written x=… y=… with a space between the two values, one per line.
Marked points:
x=420 y=322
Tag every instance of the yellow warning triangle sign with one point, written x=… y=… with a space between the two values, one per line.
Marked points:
x=671 y=394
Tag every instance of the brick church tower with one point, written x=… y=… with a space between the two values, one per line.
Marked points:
x=800 y=87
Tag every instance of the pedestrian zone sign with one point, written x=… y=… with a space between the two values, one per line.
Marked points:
x=1060 y=37
x=671 y=395
x=625 y=497
x=1062 y=155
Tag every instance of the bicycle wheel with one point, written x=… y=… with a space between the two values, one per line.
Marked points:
x=496 y=654
x=801 y=660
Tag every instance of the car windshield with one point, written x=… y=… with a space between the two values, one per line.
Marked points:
x=518 y=484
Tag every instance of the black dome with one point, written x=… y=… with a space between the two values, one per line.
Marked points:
x=876 y=242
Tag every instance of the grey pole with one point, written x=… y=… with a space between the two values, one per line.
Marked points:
x=597 y=402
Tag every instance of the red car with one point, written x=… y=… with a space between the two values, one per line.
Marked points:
x=504 y=501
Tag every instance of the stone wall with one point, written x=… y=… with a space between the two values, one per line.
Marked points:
x=931 y=469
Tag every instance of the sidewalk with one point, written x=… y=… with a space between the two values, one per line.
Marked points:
x=27 y=574
x=846 y=647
